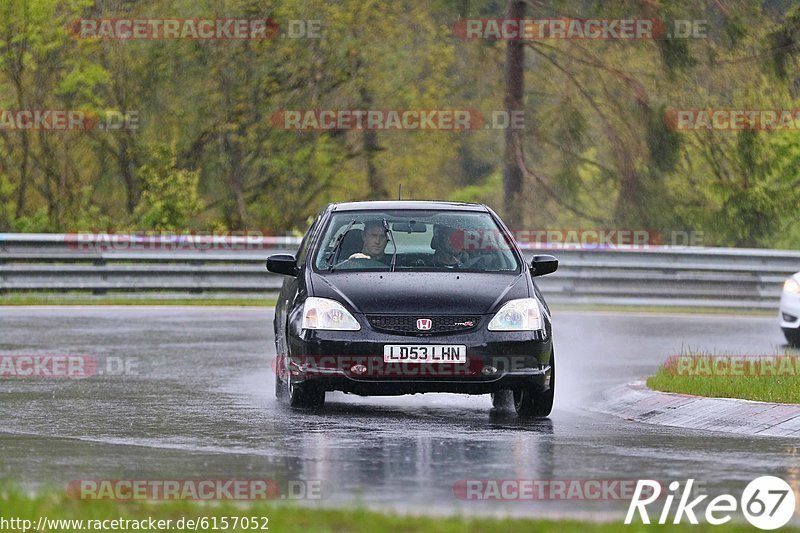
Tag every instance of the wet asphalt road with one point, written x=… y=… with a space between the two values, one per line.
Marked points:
x=199 y=404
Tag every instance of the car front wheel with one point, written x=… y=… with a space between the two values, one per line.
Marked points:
x=502 y=399
x=306 y=396
x=298 y=394
x=529 y=402
x=792 y=337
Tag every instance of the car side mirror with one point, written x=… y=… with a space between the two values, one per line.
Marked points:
x=282 y=264
x=543 y=264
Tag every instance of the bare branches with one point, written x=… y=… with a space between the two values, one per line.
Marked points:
x=542 y=182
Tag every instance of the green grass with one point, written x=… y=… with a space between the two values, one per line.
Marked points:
x=288 y=518
x=121 y=299
x=83 y=298
x=778 y=382
x=663 y=309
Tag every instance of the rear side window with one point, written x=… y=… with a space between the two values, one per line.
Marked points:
x=302 y=251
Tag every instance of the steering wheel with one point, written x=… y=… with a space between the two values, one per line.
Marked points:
x=454 y=266
x=483 y=261
x=358 y=263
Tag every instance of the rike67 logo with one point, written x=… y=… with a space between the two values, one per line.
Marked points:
x=767 y=502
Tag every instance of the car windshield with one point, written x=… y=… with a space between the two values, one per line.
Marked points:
x=414 y=241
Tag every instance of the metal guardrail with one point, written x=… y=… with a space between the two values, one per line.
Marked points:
x=694 y=277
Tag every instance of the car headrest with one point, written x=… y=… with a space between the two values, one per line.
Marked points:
x=351 y=243
x=436 y=241
x=440 y=235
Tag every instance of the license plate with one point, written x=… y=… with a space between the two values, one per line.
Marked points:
x=424 y=353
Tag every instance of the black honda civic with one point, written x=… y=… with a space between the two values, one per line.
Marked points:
x=406 y=297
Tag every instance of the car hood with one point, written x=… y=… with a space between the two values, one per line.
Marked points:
x=420 y=292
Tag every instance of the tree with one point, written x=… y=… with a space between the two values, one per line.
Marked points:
x=515 y=87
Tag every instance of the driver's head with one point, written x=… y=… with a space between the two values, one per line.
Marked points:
x=447 y=239
x=374 y=238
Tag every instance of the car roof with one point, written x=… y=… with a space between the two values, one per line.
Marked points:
x=424 y=205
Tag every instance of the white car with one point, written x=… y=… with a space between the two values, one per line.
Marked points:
x=790 y=310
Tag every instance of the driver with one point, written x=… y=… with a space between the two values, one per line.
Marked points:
x=374 y=239
x=447 y=253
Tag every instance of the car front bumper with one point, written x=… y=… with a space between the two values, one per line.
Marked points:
x=353 y=362
x=790 y=311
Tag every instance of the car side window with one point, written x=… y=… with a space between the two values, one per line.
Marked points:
x=302 y=251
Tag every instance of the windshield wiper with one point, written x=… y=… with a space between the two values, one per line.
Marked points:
x=388 y=230
x=334 y=253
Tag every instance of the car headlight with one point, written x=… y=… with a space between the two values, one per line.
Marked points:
x=322 y=313
x=518 y=315
x=791 y=286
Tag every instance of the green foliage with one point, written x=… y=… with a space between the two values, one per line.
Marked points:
x=664 y=144
x=489 y=192
x=206 y=154
x=169 y=194
x=38 y=222
x=783 y=42
x=675 y=54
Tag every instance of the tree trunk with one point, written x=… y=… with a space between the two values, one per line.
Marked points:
x=22 y=190
x=370 y=145
x=515 y=86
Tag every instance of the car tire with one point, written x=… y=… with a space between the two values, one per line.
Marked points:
x=311 y=398
x=792 y=336
x=531 y=403
x=277 y=369
x=303 y=395
x=503 y=399
x=280 y=386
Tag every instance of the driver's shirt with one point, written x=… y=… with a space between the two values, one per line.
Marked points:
x=459 y=261
x=385 y=259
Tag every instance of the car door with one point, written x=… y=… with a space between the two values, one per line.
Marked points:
x=293 y=288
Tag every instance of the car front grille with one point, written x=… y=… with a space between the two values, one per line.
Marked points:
x=407 y=324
